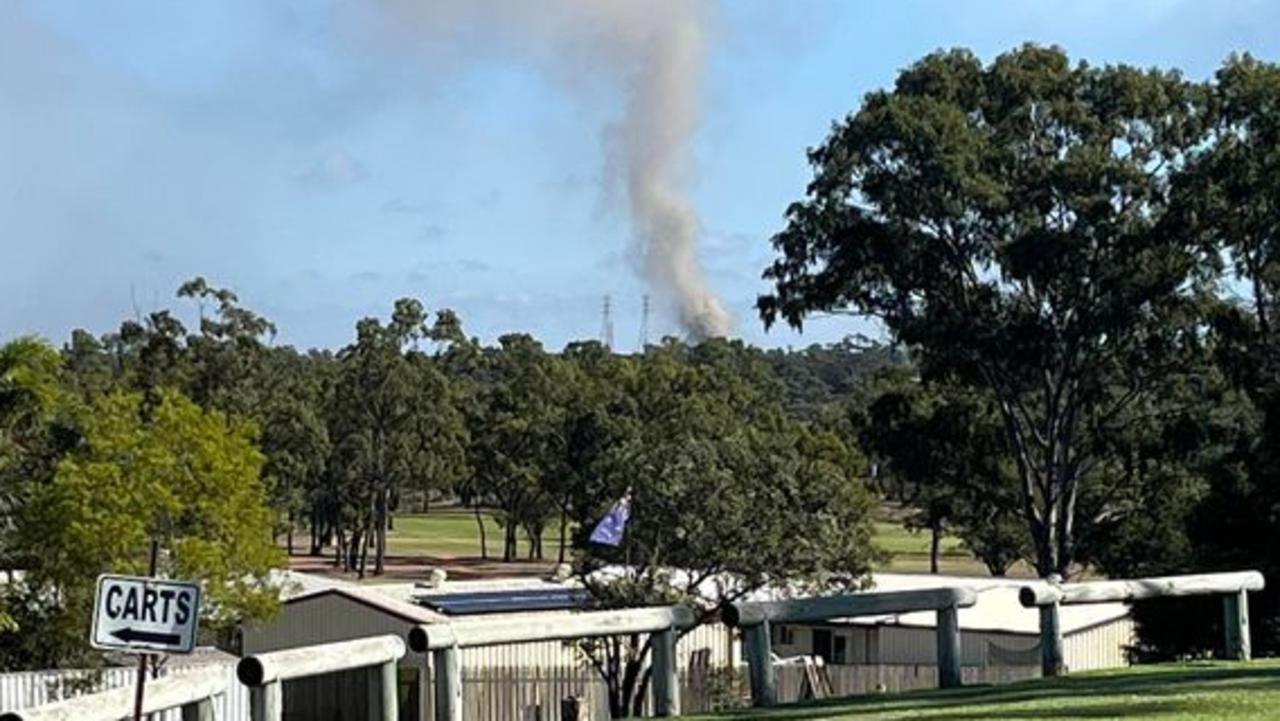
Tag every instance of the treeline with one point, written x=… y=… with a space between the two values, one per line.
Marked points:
x=724 y=451
x=414 y=410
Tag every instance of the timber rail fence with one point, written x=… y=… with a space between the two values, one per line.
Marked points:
x=755 y=620
x=263 y=673
x=1234 y=588
x=192 y=691
x=445 y=641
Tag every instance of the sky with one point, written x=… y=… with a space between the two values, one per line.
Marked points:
x=323 y=158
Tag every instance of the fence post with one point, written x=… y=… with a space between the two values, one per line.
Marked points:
x=949 y=647
x=265 y=702
x=390 y=691
x=760 y=664
x=447 y=664
x=1235 y=621
x=666 y=679
x=198 y=711
x=1050 y=641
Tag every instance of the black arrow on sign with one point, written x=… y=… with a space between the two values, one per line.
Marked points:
x=129 y=635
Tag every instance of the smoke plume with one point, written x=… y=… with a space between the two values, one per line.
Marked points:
x=650 y=51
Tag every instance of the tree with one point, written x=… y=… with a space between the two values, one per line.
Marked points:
x=1010 y=224
x=35 y=433
x=227 y=357
x=943 y=447
x=728 y=495
x=1218 y=507
x=294 y=438
x=516 y=437
x=161 y=470
x=392 y=424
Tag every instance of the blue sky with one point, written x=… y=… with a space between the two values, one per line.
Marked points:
x=290 y=152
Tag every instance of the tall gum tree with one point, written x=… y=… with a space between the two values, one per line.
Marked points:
x=1010 y=224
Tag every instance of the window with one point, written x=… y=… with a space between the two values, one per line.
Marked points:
x=841 y=652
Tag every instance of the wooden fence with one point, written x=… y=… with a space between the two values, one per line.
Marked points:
x=1234 y=587
x=445 y=643
x=755 y=617
x=505 y=694
x=194 y=693
x=525 y=694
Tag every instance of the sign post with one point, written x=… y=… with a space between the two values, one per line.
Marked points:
x=144 y=615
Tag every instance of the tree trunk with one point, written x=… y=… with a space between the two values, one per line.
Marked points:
x=564 y=520
x=509 y=541
x=381 y=518
x=484 y=541
x=935 y=545
x=289 y=534
x=313 y=536
x=364 y=552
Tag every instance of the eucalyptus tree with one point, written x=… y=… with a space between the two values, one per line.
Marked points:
x=392 y=425
x=516 y=436
x=1010 y=224
x=942 y=447
x=728 y=494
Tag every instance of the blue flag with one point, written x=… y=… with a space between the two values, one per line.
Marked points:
x=613 y=526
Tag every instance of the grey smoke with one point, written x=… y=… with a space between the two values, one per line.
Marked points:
x=652 y=52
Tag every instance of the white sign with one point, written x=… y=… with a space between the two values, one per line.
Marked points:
x=145 y=614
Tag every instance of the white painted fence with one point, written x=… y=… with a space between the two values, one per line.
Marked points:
x=29 y=689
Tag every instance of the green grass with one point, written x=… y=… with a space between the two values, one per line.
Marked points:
x=1206 y=691
x=451 y=532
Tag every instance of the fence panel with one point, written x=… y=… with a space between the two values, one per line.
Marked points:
x=27 y=689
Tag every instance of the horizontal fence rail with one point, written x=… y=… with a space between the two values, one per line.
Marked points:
x=263 y=673
x=191 y=690
x=1070 y=594
x=1234 y=587
x=445 y=641
x=755 y=619
x=470 y=634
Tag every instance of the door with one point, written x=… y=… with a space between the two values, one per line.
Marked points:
x=822 y=644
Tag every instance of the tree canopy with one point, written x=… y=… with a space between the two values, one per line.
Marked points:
x=1011 y=224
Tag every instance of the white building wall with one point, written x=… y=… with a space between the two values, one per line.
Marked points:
x=1100 y=647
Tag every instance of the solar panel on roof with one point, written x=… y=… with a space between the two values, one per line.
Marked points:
x=467 y=604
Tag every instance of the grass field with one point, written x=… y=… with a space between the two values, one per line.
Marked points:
x=452 y=533
x=1171 y=692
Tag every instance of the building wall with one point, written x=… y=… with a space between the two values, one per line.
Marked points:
x=897 y=644
x=332 y=617
x=1100 y=647
x=1104 y=646
x=321 y=619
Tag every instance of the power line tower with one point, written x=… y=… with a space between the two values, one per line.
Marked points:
x=606 y=324
x=644 y=323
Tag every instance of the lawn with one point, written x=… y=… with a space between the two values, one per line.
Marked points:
x=1205 y=691
x=451 y=532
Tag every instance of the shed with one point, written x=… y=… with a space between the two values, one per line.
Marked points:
x=321 y=610
x=995 y=632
